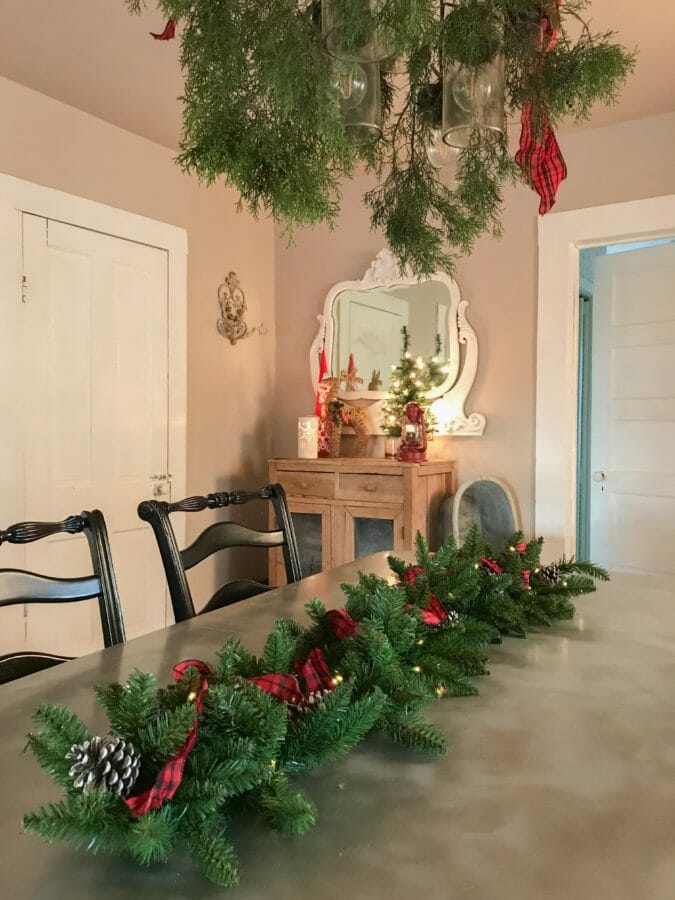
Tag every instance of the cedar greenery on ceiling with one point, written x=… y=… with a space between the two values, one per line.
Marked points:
x=267 y=107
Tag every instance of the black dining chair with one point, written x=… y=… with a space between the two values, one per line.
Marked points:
x=219 y=536
x=18 y=586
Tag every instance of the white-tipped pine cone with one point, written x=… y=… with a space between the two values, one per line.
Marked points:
x=107 y=764
x=312 y=701
x=550 y=575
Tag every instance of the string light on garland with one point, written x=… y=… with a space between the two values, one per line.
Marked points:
x=286 y=99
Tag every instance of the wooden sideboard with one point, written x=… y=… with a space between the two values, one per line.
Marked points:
x=346 y=508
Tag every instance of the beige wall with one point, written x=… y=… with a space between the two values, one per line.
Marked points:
x=229 y=388
x=629 y=161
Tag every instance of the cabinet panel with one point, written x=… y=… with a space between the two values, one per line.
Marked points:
x=370 y=487
x=368 y=529
x=312 y=524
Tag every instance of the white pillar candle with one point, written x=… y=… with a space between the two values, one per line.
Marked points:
x=308 y=437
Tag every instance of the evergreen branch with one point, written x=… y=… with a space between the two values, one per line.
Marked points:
x=416 y=734
x=286 y=810
x=213 y=854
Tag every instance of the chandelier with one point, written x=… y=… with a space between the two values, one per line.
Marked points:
x=285 y=99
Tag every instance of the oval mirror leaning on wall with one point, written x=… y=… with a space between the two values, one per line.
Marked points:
x=362 y=322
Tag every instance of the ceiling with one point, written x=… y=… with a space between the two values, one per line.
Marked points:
x=93 y=55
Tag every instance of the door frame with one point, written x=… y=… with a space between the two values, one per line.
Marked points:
x=18 y=197
x=561 y=236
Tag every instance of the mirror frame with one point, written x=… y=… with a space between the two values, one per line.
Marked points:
x=384 y=272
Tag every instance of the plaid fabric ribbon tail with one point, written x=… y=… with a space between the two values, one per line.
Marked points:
x=526 y=577
x=540 y=160
x=168 y=34
x=341 y=624
x=171 y=774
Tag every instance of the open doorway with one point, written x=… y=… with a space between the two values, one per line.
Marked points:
x=561 y=238
x=626 y=411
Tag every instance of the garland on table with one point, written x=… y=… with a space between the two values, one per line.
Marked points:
x=180 y=760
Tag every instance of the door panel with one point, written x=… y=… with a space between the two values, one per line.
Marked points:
x=633 y=411
x=96 y=335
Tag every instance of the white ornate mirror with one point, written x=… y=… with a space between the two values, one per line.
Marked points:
x=364 y=319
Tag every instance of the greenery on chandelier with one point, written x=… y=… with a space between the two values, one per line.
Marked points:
x=380 y=661
x=262 y=106
x=410 y=381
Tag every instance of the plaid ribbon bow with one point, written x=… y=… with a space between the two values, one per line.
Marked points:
x=341 y=624
x=433 y=614
x=286 y=687
x=539 y=155
x=491 y=566
x=171 y=774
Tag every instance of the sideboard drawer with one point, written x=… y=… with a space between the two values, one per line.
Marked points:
x=308 y=484
x=387 y=488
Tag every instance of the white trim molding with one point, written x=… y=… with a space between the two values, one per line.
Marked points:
x=561 y=236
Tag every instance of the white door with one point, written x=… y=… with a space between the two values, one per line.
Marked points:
x=96 y=416
x=633 y=411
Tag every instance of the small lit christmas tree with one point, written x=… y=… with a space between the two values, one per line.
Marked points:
x=411 y=381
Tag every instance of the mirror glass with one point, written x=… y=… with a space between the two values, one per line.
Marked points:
x=367 y=325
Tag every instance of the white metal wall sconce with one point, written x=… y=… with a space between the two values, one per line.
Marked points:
x=232 y=302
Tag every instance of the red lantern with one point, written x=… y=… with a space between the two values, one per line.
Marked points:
x=413 y=435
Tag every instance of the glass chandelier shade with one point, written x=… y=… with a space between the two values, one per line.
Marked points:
x=473 y=99
x=362 y=108
x=371 y=48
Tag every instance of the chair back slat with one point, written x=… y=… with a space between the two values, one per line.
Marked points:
x=220 y=536
x=223 y=535
x=18 y=586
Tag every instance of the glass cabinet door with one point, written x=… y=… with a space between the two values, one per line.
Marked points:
x=371 y=530
x=309 y=533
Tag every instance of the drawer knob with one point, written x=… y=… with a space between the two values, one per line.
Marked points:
x=371 y=488
x=304 y=485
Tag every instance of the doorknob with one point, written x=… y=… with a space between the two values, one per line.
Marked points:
x=599 y=476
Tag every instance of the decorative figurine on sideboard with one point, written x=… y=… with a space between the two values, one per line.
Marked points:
x=413 y=435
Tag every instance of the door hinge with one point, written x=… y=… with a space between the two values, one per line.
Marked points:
x=24 y=288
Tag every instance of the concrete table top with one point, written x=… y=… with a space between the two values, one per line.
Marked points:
x=558 y=784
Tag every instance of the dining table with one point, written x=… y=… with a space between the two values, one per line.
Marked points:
x=557 y=785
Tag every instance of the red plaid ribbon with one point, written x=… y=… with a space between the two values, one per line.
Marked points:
x=341 y=624
x=286 y=688
x=540 y=159
x=314 y=672
x=434 y=614
x=521 y=547
x=491 y=565
x=169 y=32
x=281 y=687
x=539 y=155
x=171 y=774
x=526 y=577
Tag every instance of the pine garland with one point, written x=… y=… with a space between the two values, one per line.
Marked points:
x=261 y=107
x=392 y=650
